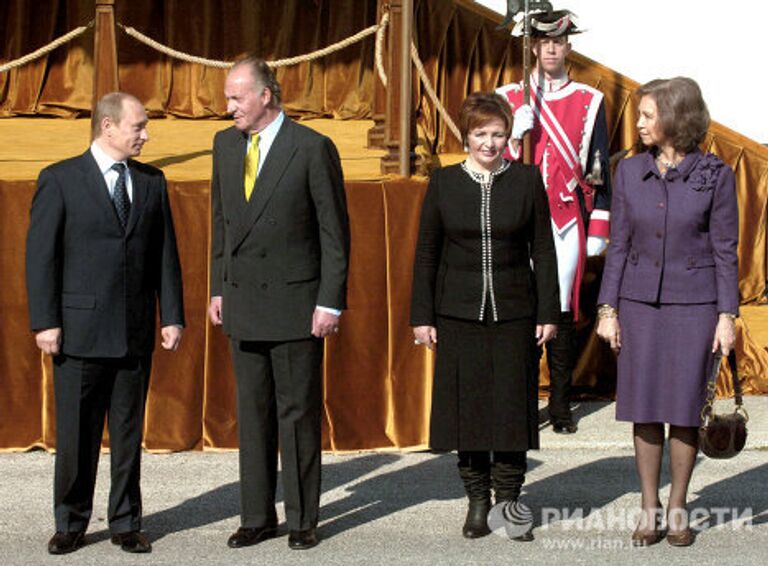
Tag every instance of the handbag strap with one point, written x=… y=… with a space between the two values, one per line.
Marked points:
x=735 y=377
x=717 y=360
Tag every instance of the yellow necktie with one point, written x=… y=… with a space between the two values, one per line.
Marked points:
x=251 y=166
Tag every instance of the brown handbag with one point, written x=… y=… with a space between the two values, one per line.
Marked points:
x=723 y=436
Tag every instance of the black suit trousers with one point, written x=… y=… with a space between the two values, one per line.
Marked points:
x=88 y=390
x=279 y=404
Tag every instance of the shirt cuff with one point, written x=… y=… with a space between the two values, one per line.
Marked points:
x=335 y=312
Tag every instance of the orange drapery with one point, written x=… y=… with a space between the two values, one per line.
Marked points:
x=339 y=85
x=377 y=384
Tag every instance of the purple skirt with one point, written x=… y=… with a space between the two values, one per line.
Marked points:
x=664 y=363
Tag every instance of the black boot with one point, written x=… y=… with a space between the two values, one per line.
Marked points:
x=507 y=477
x=474 y=469
x=561 y=361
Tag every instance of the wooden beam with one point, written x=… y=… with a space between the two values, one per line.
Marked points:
x=398 y=81
x=104 y=51
x=406 y=96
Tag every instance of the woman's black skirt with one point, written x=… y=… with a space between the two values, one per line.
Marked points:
x=485 y=392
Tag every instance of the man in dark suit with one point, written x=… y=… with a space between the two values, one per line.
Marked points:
x=279 y=257
x=101 y=252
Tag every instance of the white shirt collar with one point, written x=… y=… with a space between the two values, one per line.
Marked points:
x=267 y=137
x=552 y=85
x=104 y=161
x=268 y=134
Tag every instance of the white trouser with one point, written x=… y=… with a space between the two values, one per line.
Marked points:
x=567 y=250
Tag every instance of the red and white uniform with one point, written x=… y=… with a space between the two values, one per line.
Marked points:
x=568 y=115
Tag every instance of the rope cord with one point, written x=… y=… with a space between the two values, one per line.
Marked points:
x=379 y=50
x=420 y=69
x=378 y=29
x=432 y=94
x=45 y=49
x=133 y=32
x=278 y=63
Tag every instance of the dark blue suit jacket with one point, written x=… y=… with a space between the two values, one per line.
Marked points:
x=91 y=277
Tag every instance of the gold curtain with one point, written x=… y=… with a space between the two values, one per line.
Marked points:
x=377 y=383
x=339 y=85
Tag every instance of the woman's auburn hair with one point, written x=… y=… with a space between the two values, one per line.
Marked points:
x=480 y=108
x=682 y=113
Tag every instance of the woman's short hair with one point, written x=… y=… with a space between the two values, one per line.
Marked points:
x=480 y=108
x=682 y=113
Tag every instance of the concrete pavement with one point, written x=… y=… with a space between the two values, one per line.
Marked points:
x=407 y=508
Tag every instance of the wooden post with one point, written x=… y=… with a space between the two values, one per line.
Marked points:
x=406 y=96
x=398 y=117
x=104 y=51
x=379 y=105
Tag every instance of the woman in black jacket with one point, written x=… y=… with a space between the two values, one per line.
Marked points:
x=485 y=283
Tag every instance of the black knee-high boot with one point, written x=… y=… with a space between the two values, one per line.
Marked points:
x=561 y=361
x=507 y=477
x=475 y=472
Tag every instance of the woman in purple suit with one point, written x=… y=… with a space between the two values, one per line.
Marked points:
x=669 y=294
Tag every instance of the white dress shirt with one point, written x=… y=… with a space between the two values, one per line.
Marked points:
x=105 y=163
x=266 y=138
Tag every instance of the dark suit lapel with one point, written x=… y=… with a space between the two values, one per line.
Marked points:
x=139 y=183
x=279 y=156
x=96 y=187
x=232 y=175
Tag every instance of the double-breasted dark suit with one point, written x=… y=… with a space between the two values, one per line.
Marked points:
x=274 y=258
x=100 y=283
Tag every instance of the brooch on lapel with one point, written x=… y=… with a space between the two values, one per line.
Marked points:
x=704 y=176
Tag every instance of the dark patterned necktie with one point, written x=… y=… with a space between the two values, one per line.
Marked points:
x=120 y=195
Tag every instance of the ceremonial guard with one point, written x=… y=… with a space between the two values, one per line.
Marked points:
x=569 y=143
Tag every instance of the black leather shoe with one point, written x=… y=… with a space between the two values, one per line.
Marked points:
x=302 y=540
x=247 y=536
x=64 y=543
x=134 y=542
x=564 y=427
x=527 y=536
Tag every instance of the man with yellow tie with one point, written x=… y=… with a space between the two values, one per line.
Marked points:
x=279 y=255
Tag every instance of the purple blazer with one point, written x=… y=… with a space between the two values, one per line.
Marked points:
x=673 y=238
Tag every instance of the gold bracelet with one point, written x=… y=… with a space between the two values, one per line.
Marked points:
x=606 y=311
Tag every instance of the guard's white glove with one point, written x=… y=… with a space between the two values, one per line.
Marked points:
x=596 y=245
x=523 y=121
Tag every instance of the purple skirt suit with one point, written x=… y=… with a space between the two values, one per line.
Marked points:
x=671 y=267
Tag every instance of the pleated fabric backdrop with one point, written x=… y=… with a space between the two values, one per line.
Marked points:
x=377 y=384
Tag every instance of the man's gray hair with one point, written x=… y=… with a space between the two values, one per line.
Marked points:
x=263 y=76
